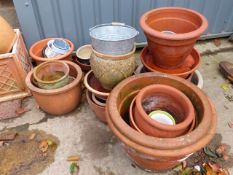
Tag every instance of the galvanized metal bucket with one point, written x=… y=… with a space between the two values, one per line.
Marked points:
x=113 y=38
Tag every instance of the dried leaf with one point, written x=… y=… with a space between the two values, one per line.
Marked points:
x=74 y=168
x=225 y=86
x=217 y=42
x=210 y=153
x=230 y=124
x=73 y=158
x=32 y=136
x=225 y=157
x=44 y=146
x=20 y=111
x=7 y=136
x=184 y=164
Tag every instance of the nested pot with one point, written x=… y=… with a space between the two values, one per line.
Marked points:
x=62 y=100
x=153 y=153
x=168 y=99
x=98 y=109
x=112 y=69
x=37 y=49
x=171 y=33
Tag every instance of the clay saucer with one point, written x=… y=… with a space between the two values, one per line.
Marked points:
x=190 y=64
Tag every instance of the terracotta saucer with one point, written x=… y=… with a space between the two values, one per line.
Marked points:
x=191 y=63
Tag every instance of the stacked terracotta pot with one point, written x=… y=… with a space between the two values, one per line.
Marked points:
x=112 y=60
x=171 y=33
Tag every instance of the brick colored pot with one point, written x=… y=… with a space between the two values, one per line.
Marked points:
x=97 y=109
x=168 y=99
x=36 y=51
x=152 y=153
x=62 y=100
x=170 y=50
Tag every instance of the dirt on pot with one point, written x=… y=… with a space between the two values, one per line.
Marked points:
x=27 y=154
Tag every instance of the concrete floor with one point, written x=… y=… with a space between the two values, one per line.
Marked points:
x=81 y=133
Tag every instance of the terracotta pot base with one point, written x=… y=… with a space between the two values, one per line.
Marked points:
x=191 y=63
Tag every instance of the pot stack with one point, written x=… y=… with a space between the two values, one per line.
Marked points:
x=171 y=33
x=112 y=60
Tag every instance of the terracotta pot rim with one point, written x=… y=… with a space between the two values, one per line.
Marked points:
x=80 y=48
x=184 y=124
x=37 y=58
x=93 y=97
x=114 y=57
x=85 y=81
x=194 y=53
x=166 y=143
x=193 y=34
x=40 y=66
x=87 y=95
x=59 y=90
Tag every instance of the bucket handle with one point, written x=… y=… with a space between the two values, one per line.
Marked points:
x=118 y=24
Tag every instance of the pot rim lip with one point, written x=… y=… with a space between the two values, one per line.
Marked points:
x=193 y=52
x=59 y=90
x=188 y=119
x=154 y=142
x=93 y=97
x=75 y=59
x=114 y=57
x=83 y=47
x=85 y=81
x=40 y=66
x=37 y=58
x=189 y=35
x=91 y=101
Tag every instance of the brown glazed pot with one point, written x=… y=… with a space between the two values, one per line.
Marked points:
x=165 y=98
x=7 y=36
x=153 y=153
x=85 y=67
x=97 y=109
x=111 y=69
x=94 y=86
x=170 y=50
x=36 y=51
x=191 y=63
x=62 y=100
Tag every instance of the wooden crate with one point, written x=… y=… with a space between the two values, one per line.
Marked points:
x=14 y=67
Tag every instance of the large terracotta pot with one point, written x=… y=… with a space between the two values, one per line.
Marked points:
x=170 y=50
x=165 y=98
x=37 y=48
x=7 y=36
x=62 y=100
x=152 y=153
x=111 y=69
x=97 y=109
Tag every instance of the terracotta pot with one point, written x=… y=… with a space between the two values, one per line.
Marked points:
x=97 y=109
x=94 y=86
x=62 y=100
x=170 y=50
x=152 y=153
x=84 y=53
x=191 y=63
x=7 y=36
x=110 y=70
x=165 y=98
x=36 y=51
x=51 y=74
x=85 y=67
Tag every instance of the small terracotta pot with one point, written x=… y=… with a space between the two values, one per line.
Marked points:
x=7 y=36
x=170 y=50
x=37 y=48
x=152 y=153
x=111 y=69
x=165 y=98
x=62 y=100
x=97 y=109
x=190 y=64
x=94 y=86
x=56 y=73
x=85 y=67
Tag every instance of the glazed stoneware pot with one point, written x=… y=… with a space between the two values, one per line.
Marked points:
x=51 y=74
x=190 y=64
x=170 y=49
x=62 y=100
x=153 y=153
x=7 y=36
x=168 y=99
x=37 y=48
x=110 y=69
x=97 y=109
x=94 y=86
